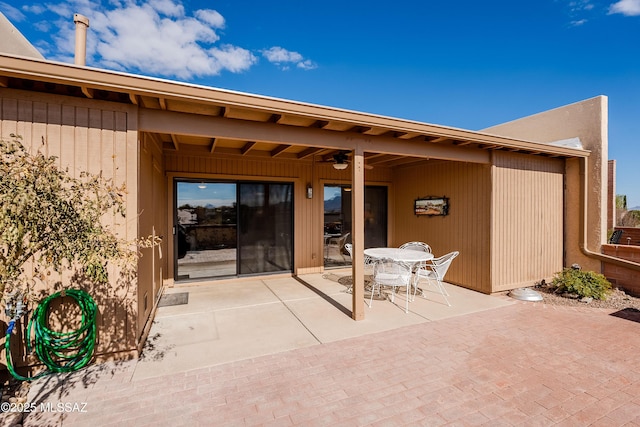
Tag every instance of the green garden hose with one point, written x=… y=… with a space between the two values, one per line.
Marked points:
x=59 y=351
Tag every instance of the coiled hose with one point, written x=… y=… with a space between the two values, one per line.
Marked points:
x=59 y=351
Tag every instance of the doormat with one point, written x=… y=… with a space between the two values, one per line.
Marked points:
x=630 y=313
x=180 y=298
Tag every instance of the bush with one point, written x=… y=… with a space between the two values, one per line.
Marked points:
x=582 y=283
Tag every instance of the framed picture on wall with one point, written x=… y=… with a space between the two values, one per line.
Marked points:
x=431 y=206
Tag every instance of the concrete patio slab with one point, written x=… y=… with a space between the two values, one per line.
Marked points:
x=235 y=320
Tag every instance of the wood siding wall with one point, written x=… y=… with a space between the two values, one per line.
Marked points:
x=527 y=221
x=308 y=213
x=96 y=137
x=465 y=229
x=152 y=221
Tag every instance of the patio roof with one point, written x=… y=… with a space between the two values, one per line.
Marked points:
x=163 y=99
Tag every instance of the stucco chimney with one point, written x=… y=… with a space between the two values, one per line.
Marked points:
x=82 y=23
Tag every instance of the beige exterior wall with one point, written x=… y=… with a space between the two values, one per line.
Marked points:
x=466 y=229
x=96 y=137
x=587 y=120
x=152 y=221
x=527 y=221
x=505 y=219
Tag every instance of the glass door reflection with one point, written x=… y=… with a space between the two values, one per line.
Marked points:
x=206 y=232
x=337 y=221
x=265 y=227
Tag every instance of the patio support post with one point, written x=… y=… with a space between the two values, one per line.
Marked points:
x=357 y=233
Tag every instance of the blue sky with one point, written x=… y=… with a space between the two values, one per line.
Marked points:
x=465 y=64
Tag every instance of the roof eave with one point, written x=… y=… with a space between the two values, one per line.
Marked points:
x=94 y=78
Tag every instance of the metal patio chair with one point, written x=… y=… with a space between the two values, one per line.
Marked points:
x=368 y=263
x=417 y=246
x=393 y=275
x=434 y=271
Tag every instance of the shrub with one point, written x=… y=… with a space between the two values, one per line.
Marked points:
x=582 y=283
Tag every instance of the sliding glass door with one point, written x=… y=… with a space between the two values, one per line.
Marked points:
x=206 y=231
x=265 y=228
x=232 y=228
x=337 y=221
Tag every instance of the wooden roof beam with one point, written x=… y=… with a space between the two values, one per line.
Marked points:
x=247 y=147
x=461 y=143
x=319 y=124
x=405 y=161
x=308 y=152
x=373 y=155
x=439 y=139
x=383 y=158
x=174 y=140
x=4 y=81
x=409 y=135
x=279 y=149
x=212 y=146
x=88 y=92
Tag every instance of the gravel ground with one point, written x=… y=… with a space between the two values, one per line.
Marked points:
x=617 y=300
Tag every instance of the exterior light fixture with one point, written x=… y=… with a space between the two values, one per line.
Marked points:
x=202 y=186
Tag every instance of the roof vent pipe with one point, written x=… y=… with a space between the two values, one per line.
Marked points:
x=82 y=23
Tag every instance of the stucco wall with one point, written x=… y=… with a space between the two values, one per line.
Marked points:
x=587 y=120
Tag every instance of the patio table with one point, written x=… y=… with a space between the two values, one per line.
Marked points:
x=407 y=257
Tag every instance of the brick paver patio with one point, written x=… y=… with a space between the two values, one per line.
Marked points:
x=525 y=364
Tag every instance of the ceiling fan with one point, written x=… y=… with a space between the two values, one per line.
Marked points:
x=341 y=160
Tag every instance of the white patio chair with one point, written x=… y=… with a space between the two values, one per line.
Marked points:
x=368 y=262
x=434 y=271
x=392 y=274
x=417 y=246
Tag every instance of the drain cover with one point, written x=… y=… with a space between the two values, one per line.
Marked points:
x=525 y=294
x=180 y=298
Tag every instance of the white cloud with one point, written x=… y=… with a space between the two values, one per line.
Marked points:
x=283 y=58
x=580 y=5
x=155 y=37
x=12 y=13
x=626 y=7
x=233 y=58
x=37 y=9
x=211 y=17
x=168 y=8
x=278 y=54
x=307 y=65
